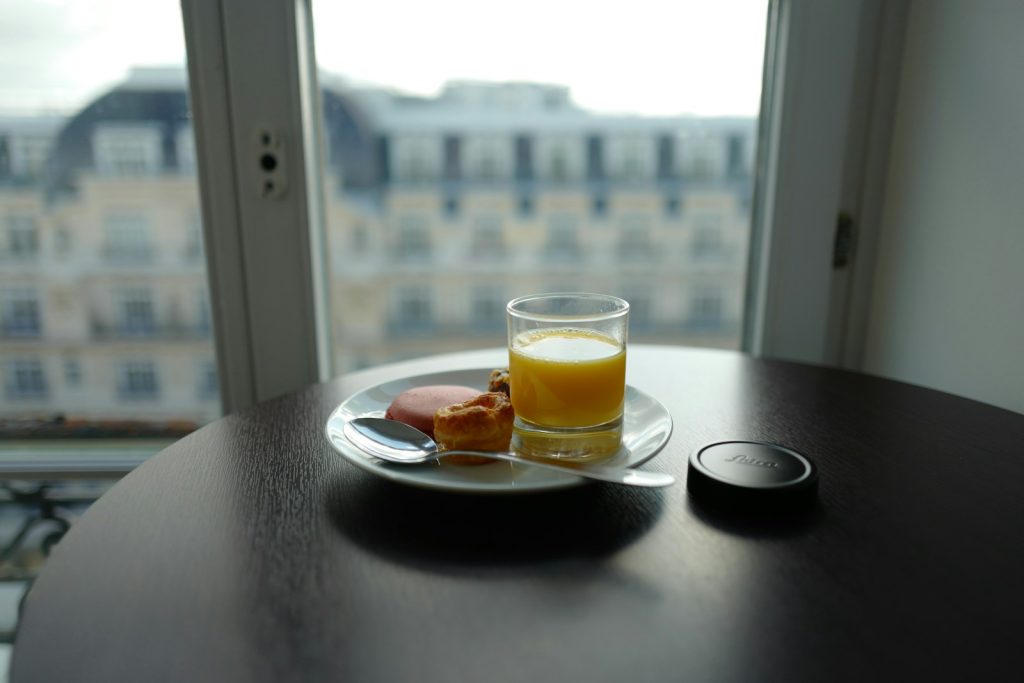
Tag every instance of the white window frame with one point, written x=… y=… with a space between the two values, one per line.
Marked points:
x=251 y=71
x=830 y=71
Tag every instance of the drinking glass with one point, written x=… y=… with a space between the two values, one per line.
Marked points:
x=567 y=374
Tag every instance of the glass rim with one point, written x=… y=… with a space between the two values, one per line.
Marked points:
x=621 y=307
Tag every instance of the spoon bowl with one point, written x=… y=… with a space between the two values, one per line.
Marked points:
x=398 y=442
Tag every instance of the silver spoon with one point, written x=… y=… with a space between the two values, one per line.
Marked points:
x=398 y=442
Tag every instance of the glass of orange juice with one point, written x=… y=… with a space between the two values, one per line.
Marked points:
x=567 y=374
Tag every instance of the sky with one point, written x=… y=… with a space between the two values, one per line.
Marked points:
x=643 y=57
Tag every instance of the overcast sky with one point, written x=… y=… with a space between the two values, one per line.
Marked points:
x=638 y=56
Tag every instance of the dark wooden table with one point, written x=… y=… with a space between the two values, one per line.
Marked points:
x=249 y=551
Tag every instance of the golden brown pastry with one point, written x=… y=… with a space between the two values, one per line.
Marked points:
x=499 y=381
x=483 y=423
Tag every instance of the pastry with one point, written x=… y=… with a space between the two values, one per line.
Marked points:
x=483 y=423
x=499 y=381
x=416 y=407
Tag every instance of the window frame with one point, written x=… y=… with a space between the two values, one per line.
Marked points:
x=249 y=66
x=830 y=72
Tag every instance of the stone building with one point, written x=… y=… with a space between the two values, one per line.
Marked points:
x=438 y=211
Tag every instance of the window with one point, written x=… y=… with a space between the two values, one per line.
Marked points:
x=25 y=379
x=487 y=313
x=28 y=152
x=488 y=239
x=410 y=99
x=21 y=317
x=563 y=241
x=72 y=372
x=706 y=309
x=559 y=160
x=413 y=239
x=707 y=237
x=137 y=315
x=489 y=158
x=22 y=236
x=631 y=158
x=702 y=156
x=137 y=379
x=99 y=227
x=122 y=149
x=128 y=238
x=536 y=165
x=635 y=241
x=416 y=158
x=413 y=311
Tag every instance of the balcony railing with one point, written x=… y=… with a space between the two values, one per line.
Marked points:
x=157 y=332
x=8 y=331
x=31 y=392
x=129 y=255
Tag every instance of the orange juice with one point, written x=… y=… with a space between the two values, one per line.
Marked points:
x=567 y=377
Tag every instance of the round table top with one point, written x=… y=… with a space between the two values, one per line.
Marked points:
x=250 y=551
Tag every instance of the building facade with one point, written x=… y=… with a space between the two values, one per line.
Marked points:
x=438 y=211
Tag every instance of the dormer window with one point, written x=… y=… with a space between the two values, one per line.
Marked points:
x=417 y=157
x=127 y=149
x=489 y=158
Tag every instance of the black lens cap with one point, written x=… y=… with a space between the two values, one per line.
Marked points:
x=752 y=473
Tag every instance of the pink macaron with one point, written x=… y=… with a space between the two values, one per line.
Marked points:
x=416 y=407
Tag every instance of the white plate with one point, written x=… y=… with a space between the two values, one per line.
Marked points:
x=646 y=428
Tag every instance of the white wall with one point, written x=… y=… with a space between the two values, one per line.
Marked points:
x=947 y=306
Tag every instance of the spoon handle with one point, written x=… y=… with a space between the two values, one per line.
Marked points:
x=615 y=475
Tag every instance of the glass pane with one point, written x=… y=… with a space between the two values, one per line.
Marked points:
x=480 y=152
x=105 y=337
